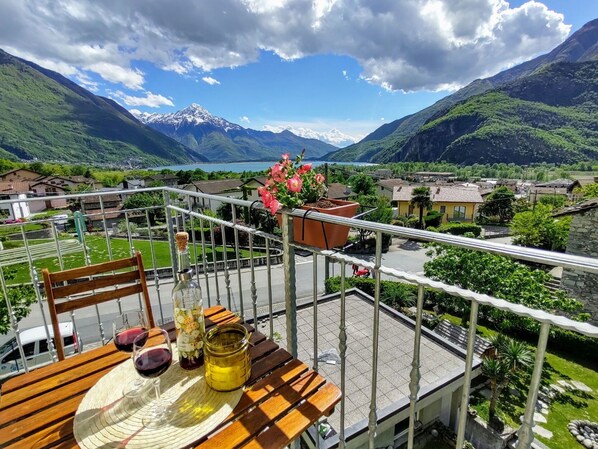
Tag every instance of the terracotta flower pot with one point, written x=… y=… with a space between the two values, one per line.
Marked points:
x=323 y=235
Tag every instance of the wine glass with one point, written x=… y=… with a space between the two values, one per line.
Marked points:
x=151 y=361
x=125 y=328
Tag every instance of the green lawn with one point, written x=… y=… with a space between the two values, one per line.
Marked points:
x=16 y=229
x=563 y=409
x=98 y=252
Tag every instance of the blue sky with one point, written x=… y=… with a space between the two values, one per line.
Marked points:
x=349 y=65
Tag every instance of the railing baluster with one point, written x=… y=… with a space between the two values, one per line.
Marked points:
x=473 y=322
x=215 y=264
x=315 y=303
x=342 y=345
x=131 y=253
x=14 y=324
x=225 y=264
x=50 y=341
x=170 y=228
x=525 y=434
x=415 y=374
x=290 y=291
x=238 y=258
x=253 y=288
x=35 y=281
x=204 y=262
x=373 y=417
x=154 y=263
x=269 y=276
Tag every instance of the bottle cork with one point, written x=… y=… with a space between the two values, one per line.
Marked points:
x=181 y=239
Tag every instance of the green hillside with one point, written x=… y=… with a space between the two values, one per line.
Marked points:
x=385 y=143
x=549 y=116
x=45 y=116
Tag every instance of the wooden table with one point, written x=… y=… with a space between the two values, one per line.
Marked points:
x=282 y=399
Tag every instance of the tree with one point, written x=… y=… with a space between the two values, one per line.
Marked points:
x=152 y=200
x=420 y=197
x=499 y=204
x=556 y=201
x=362 y=184
x=498 y=276
x=378 y=210
x=21 y=297
x=509 y=359
x=538 y=229
x=589 y=191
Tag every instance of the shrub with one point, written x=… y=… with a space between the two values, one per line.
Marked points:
x=460 y=229
x=393 y=294
x=434 y=218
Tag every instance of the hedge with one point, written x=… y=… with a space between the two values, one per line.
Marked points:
x=460 y=229
x=393 y=294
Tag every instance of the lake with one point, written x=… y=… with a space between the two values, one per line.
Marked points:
x=239 y=167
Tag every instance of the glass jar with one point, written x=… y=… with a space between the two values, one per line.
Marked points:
x=226 y=357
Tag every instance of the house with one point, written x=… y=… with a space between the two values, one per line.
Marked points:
x=442 y=369
x=17 y=190
x=456 y=203
x=167 y=179
x=250 y=186
x=95 y=211
x=19 y=174
x=338 y=191
x=427 y=176
x=583 y=241
x=386 y=186
x=559 y=187
x=381 y=173
x=230 y=188
x=47 y=190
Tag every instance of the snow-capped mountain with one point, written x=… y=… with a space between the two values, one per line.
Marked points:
x=193 y=114
x=222 y=141
x=333 y=137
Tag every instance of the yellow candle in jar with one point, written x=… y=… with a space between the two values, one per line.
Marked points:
x=226 y=357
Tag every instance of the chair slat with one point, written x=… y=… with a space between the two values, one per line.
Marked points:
x=95 y=284
x=98 y=298
x=91 y=270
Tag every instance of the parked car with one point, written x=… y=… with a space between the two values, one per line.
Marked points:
x=35 y=347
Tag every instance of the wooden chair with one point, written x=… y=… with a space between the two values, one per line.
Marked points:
x=90 y=285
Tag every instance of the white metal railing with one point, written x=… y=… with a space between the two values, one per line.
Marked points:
x=240 y=291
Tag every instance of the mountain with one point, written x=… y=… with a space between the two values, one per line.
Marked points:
x=383 y=144
x=223 y=141
x=47 y=117
x=548 y=116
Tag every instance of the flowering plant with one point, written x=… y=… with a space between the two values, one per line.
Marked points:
x=291 y=184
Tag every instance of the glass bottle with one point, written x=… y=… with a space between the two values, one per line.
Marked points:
x=188 y=309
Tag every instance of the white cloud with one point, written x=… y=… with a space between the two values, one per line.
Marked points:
x=332 y=136
x=245 y=119
x=150 y=100
x=401 y=45
x=211 y=81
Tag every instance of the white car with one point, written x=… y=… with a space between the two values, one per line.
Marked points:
x=35 y=347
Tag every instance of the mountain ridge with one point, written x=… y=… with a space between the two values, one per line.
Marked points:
x=45 y=116
x=224 y=141
x=381 y=145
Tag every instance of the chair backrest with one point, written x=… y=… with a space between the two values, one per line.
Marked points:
x=91 y=285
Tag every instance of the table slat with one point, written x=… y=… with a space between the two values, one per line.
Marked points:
x=267 y=412
x=294 y=423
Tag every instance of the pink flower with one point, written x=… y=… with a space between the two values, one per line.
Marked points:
x=304 y=169
x=320 y=178
x=286 y=156
x=274 y=206
x=295 y=184
x=277 y=173
x=266 y=198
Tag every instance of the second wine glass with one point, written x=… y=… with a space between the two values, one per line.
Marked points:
x=151 y=360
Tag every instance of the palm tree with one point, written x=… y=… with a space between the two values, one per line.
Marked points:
x=500 y=368
x=420 y=197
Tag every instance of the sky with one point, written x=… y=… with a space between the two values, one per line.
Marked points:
x=333 y=69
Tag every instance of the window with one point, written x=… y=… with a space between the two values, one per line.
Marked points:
x=28 y=349
x=443 y=209
x=459 y=212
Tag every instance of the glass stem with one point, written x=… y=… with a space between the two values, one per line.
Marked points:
x=157 y=388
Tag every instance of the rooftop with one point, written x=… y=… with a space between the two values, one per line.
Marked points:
x=441 y=194
x=441 y=361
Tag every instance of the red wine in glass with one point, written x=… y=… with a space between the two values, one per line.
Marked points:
x=123 y=340
x=154 y=362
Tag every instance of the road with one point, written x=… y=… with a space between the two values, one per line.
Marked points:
x=404 y=255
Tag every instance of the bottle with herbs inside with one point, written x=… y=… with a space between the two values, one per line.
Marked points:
x=188 y=309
